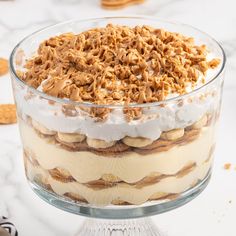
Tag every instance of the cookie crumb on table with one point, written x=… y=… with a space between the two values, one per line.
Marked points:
x=227 y=166
x=118 y=4
x=3 y=66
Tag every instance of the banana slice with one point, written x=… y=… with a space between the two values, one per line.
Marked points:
x=42 y=129
x=98 y=143
x=71 y=138
x=110 y=178
x=172 y=134
x=158 y=195
x=118 y=202
x=136 y=142
x=200 y=123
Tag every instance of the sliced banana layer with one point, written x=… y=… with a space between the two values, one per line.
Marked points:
x=172 y=134
x=42 y=129
x=136 y=142
x=71 y=138
x=158 y=195
x=200 y=123
x=98 y=143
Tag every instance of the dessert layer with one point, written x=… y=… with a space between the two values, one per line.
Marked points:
x=73 y=119
x=119 y=65
x=37 y=174
x=109 y=180
x=85 y=166
x=121 y=192
x=78 y=142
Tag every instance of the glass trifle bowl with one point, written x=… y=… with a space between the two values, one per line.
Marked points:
x=118 y=116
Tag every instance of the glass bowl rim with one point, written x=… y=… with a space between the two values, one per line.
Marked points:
x=135 y=105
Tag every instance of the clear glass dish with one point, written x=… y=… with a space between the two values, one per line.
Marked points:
x=110 y=169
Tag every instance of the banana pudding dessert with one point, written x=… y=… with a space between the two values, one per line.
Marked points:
x=120 y=114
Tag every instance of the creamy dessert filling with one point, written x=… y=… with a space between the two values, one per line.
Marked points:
x=109 y=180
x=133 y=145
x=116 y=127
x=124 y=192
x=167 y=140
x=85 y=166
x=122 y=132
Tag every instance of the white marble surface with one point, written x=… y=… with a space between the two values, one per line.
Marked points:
x=211 y=214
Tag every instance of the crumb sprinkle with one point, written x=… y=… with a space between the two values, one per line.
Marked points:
x=118 y=65
x=227 y=166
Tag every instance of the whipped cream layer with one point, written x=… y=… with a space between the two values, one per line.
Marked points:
x=85 y=166
x=155 y=119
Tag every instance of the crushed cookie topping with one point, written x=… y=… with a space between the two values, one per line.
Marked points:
x=117 y=65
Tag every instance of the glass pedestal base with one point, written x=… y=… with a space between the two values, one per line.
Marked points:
x=135 y=227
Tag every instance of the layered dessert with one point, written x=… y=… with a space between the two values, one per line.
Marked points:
x=118 y=115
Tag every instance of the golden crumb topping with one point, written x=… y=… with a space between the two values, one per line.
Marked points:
x=117 y=65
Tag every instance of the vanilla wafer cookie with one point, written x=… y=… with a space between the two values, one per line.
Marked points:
x=117 y=4
x=7 y=113
x=3 y=66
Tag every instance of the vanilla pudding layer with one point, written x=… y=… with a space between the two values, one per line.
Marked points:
x=132 y=177
x=85 y=166
x=121 y=193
